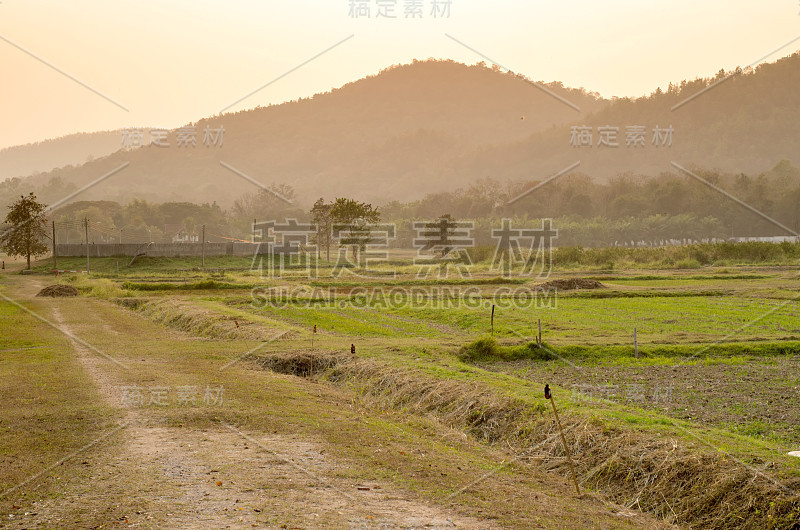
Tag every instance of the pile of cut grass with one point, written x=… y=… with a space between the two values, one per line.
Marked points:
x=301 y=364
x=568 y=284
x=58 y=291
x=189 y=318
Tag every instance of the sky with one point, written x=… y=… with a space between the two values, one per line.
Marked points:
x=88 y=65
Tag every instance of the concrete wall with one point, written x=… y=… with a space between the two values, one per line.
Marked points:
x=156 y=250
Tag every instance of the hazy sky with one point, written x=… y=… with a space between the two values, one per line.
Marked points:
x=172 y=62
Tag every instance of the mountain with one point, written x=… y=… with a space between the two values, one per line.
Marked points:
x=391 y=134
x=744 y=121
x=434 y=126
x=74 y=149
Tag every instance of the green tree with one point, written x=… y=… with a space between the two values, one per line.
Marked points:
x=354 y=218
x=321 y=217
x=26 y=235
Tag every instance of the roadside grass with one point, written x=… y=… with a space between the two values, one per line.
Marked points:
x=49 y=410
x=714 y=453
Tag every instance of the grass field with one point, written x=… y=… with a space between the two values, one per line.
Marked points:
x=692 y=426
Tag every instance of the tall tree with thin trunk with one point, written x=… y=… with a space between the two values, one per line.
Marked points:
x=321 y=217
x=27 y=231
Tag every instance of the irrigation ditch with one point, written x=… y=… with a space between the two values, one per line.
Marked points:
x=662 y=476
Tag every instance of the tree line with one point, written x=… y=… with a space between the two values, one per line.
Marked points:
x=622 y=211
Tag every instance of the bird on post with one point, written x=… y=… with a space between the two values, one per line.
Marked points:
x=547 y=391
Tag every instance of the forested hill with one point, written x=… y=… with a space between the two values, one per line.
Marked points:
x=395 y=127
x=743 y=121
x=438 y=125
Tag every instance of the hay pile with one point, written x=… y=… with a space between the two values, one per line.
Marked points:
x=301 y=364
x=58 y=291
x=569 y=284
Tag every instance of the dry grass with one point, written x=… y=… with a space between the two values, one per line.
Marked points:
x=58 y=290
x=188 y=317
x=668 y=478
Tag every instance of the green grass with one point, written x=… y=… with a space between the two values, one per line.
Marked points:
x=50 y=409
x=203 y=285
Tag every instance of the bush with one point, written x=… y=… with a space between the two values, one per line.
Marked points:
x=486 y=349
x=687 y=264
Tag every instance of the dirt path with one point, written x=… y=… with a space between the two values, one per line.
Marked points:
x=161 y=476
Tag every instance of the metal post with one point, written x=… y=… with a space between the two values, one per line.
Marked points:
x=86 y=228
x=55 y=261
x=492 y=319
x=540 y=332
x=204 y=246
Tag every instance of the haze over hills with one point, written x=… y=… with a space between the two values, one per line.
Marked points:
x=438 y=125
x=73 y=149
x=737 y=122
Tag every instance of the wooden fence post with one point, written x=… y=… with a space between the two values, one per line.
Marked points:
x=549 y=395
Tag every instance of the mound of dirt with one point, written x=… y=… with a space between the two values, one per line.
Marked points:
x=573 y=283
x=57 y=291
